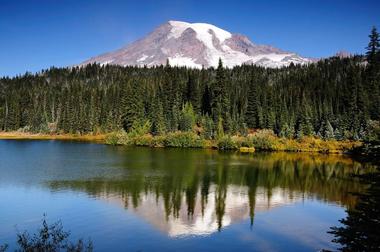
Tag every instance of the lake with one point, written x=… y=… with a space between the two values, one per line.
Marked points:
x=144 y=199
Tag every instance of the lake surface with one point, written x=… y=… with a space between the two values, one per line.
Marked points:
x=141 y=199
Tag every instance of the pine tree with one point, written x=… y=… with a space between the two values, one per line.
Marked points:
x=208 y=127
x=187 y=118
x=206 y=101
x=220 y=100
x=373 y=72
x=175 y=117
x=218 y=86
x=220 y=129
x=132 y=108
x=252 y=113
x=192 y=94
x=373 y=47
x=329 y=131
x=157 y=117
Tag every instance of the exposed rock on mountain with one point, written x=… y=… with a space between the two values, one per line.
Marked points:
x=197 y=45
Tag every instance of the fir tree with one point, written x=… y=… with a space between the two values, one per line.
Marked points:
x=132 y=108
x=192 y=94
x=373 y=47
x=157 y=117
x=187 y=120
x=252 y=113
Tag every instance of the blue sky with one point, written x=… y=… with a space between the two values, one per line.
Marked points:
x=37 y=34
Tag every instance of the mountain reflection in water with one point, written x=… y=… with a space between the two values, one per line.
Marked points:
x=200 y=192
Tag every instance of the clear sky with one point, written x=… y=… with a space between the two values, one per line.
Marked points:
x=37 y=34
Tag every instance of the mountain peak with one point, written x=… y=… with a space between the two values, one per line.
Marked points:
x=196 y=45
x=203 y=30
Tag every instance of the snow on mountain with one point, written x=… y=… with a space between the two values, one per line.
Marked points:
x=196 y=45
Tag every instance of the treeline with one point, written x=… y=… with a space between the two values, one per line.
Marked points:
x=335 y=98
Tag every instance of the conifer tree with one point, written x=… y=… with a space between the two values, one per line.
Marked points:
x=206 y=101
x=157 y=117
x=132 y=108
x=208 y=127
x=192 y=94
x=252 y=113
x=187 y=120
x=373 y=72
x=373 y=47
x=220 y=99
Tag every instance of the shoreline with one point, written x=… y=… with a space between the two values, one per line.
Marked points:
x=260 y=141
x=99 y=138
x=209 y=144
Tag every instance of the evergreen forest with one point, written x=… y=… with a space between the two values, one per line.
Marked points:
x=334 y=98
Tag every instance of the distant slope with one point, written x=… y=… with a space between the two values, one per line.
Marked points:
x=196 y=45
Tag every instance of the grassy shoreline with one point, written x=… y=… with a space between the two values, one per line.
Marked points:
x=15 y=135
x=245 y=144
x=262 y=140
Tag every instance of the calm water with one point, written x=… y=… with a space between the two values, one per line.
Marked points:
x=141 y=199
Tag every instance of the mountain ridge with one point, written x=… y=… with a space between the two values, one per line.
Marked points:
x=196 y=45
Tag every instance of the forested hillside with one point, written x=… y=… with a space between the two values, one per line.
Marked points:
x=333 y=98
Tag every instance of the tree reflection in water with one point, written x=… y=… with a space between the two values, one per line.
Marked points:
x=202 y=191
x=361 y=228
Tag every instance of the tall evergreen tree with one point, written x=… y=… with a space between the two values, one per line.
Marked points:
x=252 y=112
x=220 y=100
x=192 y=94
x=157 y=117
x=132 y=107
x=373 y=47
x=373 y=72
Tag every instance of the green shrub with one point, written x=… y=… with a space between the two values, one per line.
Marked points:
x=227 y=143
x=373 y=131
x=50 y=237
x=242 y=141
x=140 y=128
x=264 y=140
x=183 y=140
x=112 y=138
x=158 y=141
x=144 y=140
x=118 y=138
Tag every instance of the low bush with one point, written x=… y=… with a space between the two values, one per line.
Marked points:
x=227 y=143
x=140 y=128
x=244 y=141
x=158 y=141
x=183 y=139
x=49 y=237
x=265 y=140
x=144 y=140
x=112 y=138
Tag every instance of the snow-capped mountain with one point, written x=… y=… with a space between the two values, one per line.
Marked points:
x=196 y=45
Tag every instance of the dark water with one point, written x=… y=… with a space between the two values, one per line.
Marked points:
x=141 y=199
